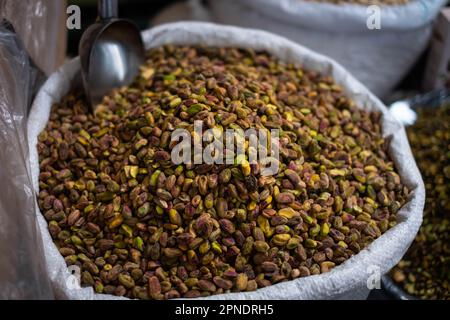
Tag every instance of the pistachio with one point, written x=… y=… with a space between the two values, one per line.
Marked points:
x=222 y=283
x=285 y=198
x=281 y=239
x=154 y=288
x=288 y=213
x=126 y=281
x=206 y=285
x=261 y=246
x=241 y=281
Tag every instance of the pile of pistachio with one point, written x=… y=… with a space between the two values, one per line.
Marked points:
x=139 y=226
x=366 y=2
x=425 y=270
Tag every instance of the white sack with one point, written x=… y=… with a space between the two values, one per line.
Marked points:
x=378 y=58
x=347 y=281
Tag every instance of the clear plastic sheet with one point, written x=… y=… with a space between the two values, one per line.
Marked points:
x=41 y=27
x=22 y=264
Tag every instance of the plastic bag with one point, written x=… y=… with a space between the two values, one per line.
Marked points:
x=347 y=281
x=41 y=26
x=378 y=58
x=22 y=264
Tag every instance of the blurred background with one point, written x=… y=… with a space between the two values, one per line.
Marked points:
x=142 y=12
x=402 y=67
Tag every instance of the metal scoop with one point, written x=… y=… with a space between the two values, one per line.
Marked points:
x=111 y=51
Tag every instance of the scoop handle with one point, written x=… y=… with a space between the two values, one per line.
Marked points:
x=107 y=9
